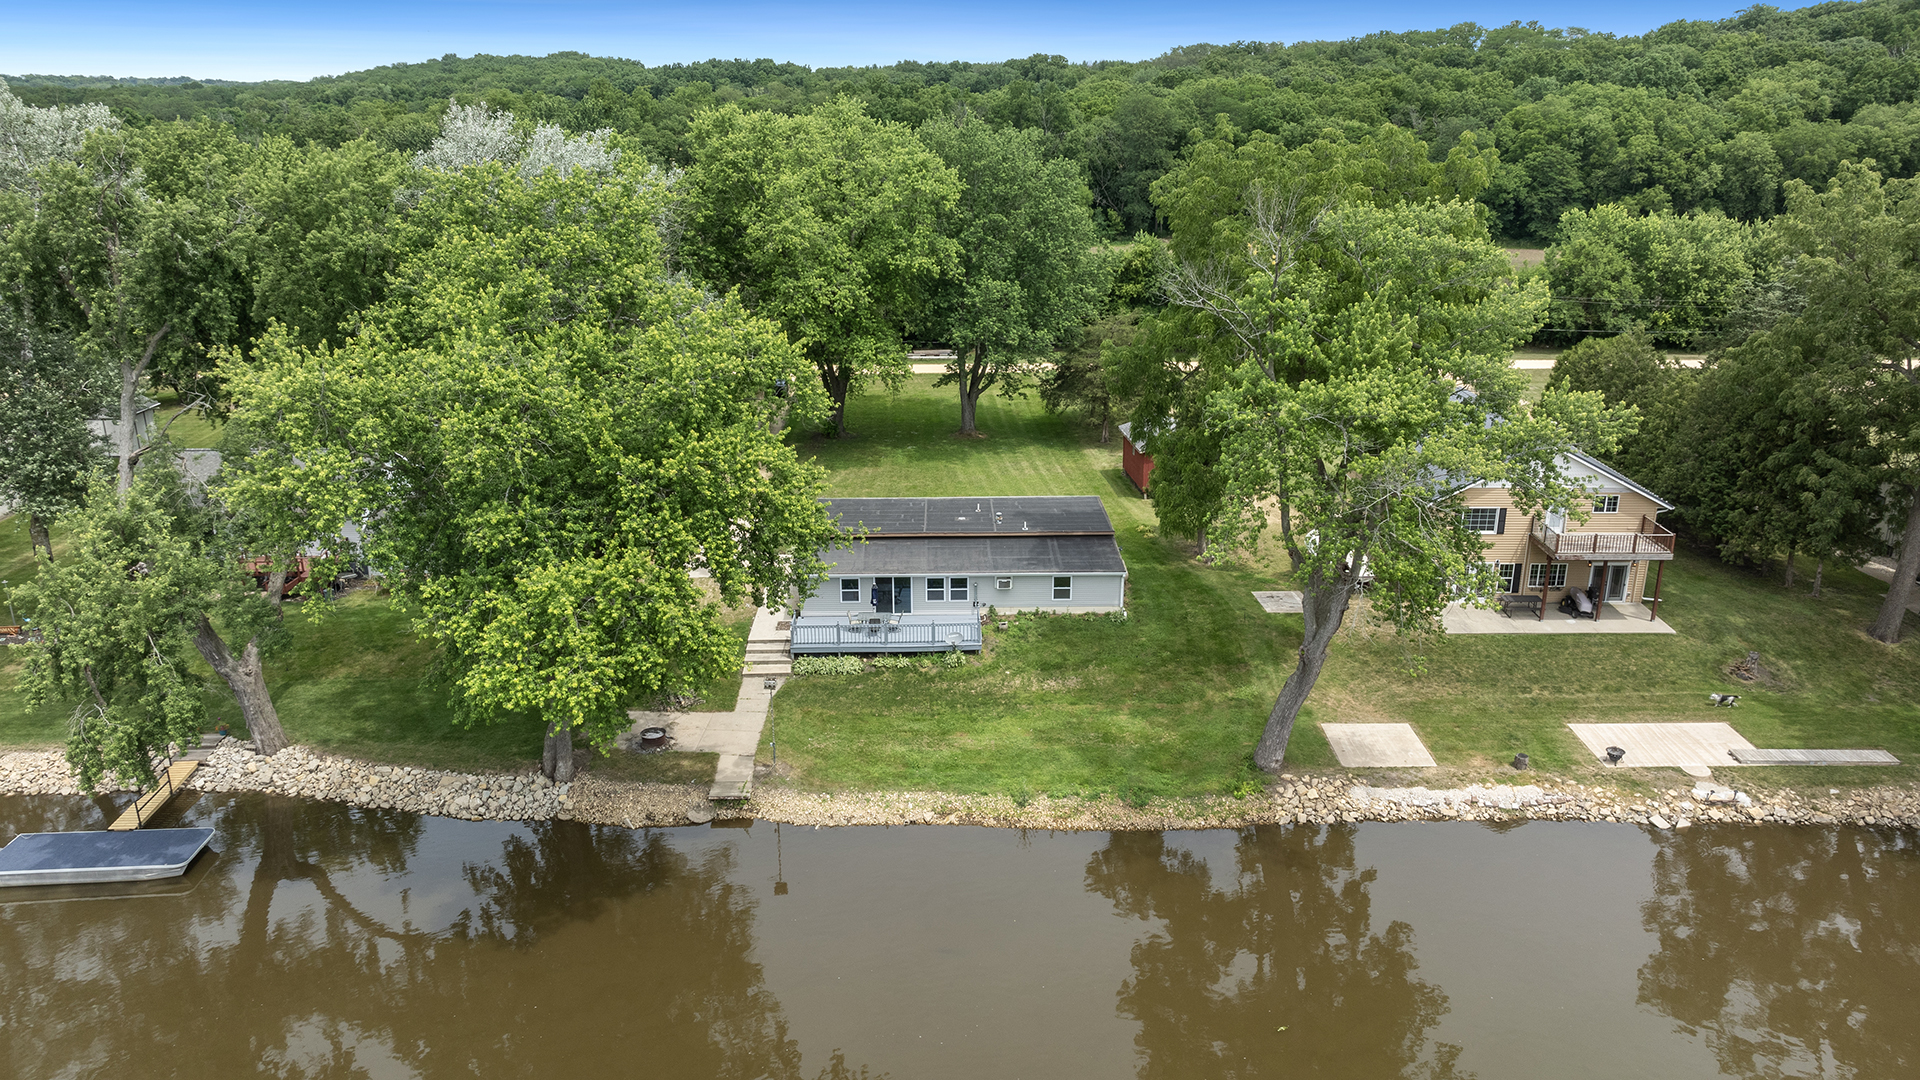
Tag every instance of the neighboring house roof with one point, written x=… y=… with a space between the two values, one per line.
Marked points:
x=984 y=555
x=1046 y=515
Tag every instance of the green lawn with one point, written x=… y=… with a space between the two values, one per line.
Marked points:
x=1168 y=701
x=1171 y=700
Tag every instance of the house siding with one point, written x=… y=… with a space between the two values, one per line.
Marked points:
x=1514 y=546
x=1030 y=592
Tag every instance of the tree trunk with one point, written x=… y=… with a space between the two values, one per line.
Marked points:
x=1324 y=605
x=1819 y=571
x=123 y=438
x=839 y=383
x=974 y=380
x=247 y=679
x=1789 y=581
x=38 y=535
x=277 y=582
x=130 y=374
x=1886 y=627
x=556 y=758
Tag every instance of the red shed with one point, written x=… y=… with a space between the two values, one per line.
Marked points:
x=1135 y=459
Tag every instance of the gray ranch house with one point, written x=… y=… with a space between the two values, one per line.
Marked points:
x=929 y=568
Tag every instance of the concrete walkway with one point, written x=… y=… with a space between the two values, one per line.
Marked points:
x=735 y=736
x=1882 y=570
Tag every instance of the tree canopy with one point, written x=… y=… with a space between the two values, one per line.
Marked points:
x=549 y=436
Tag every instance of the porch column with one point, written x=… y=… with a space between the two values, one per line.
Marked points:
x=1657 y=575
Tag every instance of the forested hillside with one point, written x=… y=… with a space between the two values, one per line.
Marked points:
x=1694 y=115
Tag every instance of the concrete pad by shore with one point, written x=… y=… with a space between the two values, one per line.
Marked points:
x=1378 y=746
x=1279 y=603
x=1691 y=748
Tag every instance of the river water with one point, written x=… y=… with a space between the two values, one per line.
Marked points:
x=318 y=940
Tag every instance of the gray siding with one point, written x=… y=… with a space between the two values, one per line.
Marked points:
x=1091 y=592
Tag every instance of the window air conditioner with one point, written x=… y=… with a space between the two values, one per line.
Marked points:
x=1003 y=583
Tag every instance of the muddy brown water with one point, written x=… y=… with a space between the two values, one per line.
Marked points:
x=318 y=940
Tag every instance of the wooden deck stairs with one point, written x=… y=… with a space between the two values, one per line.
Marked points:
x=170 y=782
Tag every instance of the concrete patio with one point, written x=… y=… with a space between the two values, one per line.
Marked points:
x=1615 y=618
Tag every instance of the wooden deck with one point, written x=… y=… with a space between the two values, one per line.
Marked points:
x=149 y=803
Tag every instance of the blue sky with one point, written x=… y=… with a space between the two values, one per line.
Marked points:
x=230 y=40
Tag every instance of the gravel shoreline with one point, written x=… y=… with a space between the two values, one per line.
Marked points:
x=304 y=773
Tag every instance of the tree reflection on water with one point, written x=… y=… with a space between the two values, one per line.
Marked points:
x=1791 y=952
x=297 y=959
x=1271 y=968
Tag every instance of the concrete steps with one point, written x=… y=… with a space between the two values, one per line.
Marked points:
x=768 y=648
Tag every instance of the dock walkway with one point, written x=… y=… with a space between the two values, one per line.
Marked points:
x=170 y=782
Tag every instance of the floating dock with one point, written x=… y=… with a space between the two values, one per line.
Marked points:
x=73 y=858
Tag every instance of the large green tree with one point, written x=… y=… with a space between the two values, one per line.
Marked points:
x=1028 y=276
x=1367 y=381
x=1673 y=276
x=548 y=435
x=828 y=223
x=48 y=392
x=1844 y=352
x=151 y=580
x=135 y=252
x=320 y=233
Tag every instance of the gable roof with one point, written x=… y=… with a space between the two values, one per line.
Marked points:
x=1618 y=477
x=1029 y=515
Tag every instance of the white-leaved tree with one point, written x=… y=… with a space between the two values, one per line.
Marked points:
x=31 y=138
x=474 y=134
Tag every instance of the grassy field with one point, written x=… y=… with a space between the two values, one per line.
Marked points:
x=1171 y=700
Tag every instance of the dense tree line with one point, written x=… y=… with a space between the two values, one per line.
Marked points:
x=1697 y=115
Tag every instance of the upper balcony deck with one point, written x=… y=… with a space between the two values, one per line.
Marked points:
x=1652 y=541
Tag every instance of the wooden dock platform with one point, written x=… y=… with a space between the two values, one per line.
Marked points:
x=150 y=802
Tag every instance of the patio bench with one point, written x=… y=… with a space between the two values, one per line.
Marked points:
x=1525 y=601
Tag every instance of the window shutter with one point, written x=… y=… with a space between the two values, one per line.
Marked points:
x=1500 y=522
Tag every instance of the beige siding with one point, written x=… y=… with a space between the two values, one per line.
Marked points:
x=1514 y=545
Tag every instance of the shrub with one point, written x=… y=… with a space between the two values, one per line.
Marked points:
x=953 y=660
x=896 y=662
x=828 y=665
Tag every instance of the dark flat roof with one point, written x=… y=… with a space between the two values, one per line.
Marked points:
x=1047 y=515
x=984 y=555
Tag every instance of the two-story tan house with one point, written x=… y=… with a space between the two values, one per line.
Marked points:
x=1621 y=548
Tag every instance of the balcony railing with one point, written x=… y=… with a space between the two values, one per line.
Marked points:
x=1652 y=541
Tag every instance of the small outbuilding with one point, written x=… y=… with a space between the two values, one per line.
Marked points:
x=1134 y=459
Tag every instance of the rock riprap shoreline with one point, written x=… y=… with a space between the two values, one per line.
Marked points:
x=301 y=772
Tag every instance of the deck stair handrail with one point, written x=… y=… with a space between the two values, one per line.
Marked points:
x=1651 y=540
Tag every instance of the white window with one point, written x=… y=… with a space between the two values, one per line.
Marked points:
x=849 y=590
x=1509 y=575
x=1551 y=575
x=936 y=588
x=1063 y=588
x=1606 y=504
x=957 y=588
x=1484 y=519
